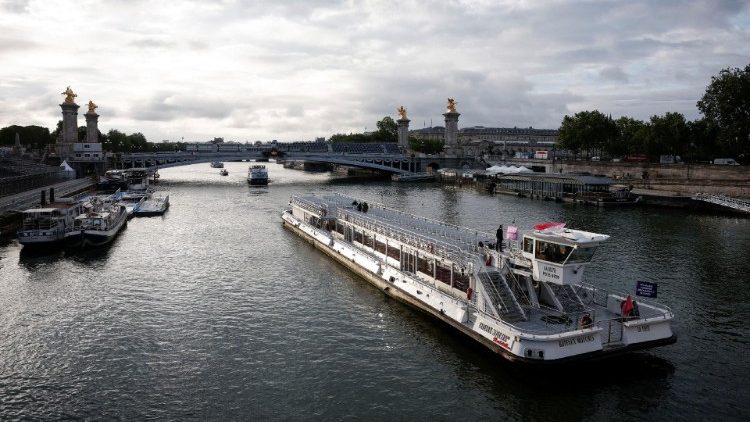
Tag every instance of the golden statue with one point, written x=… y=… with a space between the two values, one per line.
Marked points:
x=70 y=96
x=92 y=107
x=402 y=112
x=451 y=105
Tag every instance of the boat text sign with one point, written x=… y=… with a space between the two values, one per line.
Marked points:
x=645 y=289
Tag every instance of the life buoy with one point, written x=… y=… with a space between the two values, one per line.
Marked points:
x=469 y=293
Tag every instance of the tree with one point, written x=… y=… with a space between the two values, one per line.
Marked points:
x=586 y=130
x=427 y=146
x=703 y=135
x=726 y=104
x=27 y=135
x=387 y=130
x=669 y=134
x=630 y=136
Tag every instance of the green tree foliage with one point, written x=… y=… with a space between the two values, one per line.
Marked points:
x=631 y=135
x=703 y=139
x=427 y=146
x=387 y=132
x=726 y=104
x=669 y=135
x=587 y=130
x=27 y=135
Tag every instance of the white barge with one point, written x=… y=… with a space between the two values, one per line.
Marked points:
x=528 y=303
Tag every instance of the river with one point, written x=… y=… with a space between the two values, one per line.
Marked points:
x=214 y=311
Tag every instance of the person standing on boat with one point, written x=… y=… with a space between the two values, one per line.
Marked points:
x=499 y=236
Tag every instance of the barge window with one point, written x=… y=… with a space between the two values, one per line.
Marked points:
x=552 y=252
x=528 y=245
x=581 y=255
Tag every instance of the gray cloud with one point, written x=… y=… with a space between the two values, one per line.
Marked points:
x=15 y=6
x=167 y=107
x=613 y=73
x=276 y=70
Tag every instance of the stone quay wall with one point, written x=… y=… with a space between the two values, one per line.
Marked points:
x=680 y=178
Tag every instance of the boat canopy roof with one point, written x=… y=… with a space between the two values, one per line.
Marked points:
x=569 y=236
x=39 y=210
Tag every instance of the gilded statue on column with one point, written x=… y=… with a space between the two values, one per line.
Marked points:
x=92 y=107
x=70 y=96
x=451 y=105
x=402 y=112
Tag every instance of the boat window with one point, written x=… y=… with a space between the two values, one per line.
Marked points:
x=582 y=255
x=528 y=245
x=552 y=252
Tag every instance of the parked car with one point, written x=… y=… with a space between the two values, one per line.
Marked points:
x=726 y=162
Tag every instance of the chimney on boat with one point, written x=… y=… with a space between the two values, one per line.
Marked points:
x=44 y=197
x=51 y=195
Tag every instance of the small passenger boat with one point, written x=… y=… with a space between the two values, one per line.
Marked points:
x=217 y=165
x=525 y=300
x=47 y=226
x=257 y=175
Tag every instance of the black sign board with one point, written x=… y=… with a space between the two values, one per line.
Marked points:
x=645 y=289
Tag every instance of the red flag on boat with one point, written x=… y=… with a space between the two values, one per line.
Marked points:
x=549 y=225
x=627 y=306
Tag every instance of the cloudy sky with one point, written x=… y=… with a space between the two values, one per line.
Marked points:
x=295 y=70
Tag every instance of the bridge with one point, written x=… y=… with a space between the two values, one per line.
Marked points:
x=382 y=157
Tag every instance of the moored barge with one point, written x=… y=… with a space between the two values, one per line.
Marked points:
x=526 y=301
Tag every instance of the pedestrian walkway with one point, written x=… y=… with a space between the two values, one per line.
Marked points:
x=725 y=201
x=32 y=198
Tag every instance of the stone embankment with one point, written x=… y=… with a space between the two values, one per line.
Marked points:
x=684 y=179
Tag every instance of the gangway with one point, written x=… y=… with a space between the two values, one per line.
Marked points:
x=724 y=201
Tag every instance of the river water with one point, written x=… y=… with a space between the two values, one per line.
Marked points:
x=214 y=311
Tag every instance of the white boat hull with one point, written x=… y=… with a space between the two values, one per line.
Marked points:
x=494 y=334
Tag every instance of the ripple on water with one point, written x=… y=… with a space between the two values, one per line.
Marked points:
x=214 y=311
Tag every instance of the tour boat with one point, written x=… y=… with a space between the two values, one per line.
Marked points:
x=97 y=225
x=528 y=303
x=257 y=175
x=47 y=226
x=217 y=165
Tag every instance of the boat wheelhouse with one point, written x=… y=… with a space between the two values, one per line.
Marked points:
x=528 y=302
x=137 y=179
x=257 y=175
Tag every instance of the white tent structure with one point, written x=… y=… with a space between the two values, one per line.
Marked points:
x=508 y=169
x=67 y=170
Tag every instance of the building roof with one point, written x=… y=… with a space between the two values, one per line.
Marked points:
x=579 y=179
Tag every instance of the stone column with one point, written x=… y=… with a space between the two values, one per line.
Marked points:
x=70 y=122
x=403 y=133
x=92 y=127
x=451 y=132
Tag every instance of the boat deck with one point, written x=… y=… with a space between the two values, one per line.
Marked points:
x=456 y=239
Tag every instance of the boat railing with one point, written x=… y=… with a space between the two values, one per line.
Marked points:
x=601 y=298
x=417 y=240
x=377 y=205
x=493 y=293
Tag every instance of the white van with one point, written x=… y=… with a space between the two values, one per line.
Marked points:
x=726 y=162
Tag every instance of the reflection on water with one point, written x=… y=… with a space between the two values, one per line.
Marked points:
x=214 y=311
